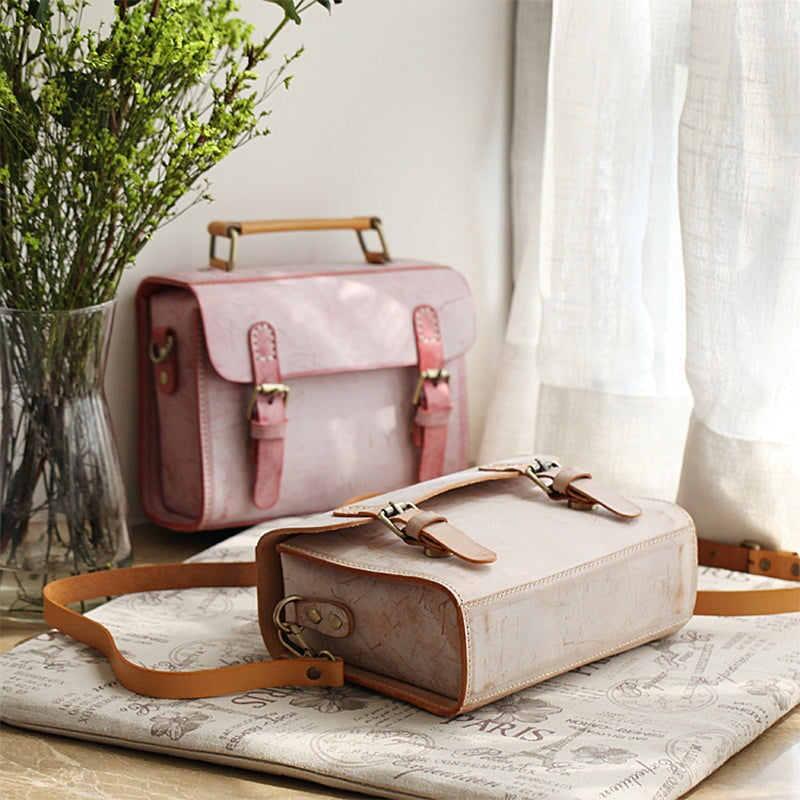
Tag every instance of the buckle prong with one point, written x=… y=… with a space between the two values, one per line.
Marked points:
x=535 y=471
x=271 y=390
x=392 y=510
x=434 y=375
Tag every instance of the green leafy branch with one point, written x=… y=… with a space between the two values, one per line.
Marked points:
x=106 y=133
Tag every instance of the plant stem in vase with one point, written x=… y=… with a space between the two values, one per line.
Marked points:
x=62 y=503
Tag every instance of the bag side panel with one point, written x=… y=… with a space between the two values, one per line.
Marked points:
x=407 y=630
x=568 y=586
x=178 y=413
x=522 y=637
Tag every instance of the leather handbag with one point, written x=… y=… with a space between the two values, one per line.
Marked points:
x=448 y=594
x=287 y=389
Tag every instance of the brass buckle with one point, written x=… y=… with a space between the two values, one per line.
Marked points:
x=535 y=470
x=287 y=629
x=392 y=510
x=158 y=355
x=271 y=390
x=434 y=375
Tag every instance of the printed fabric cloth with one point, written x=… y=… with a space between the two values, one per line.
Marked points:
x=652 y=722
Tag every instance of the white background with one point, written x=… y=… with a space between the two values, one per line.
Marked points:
x=399 y=109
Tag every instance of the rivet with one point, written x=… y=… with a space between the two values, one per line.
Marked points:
x=765 y=564
x=313 y=673
x=795 y=570
x=314 y=616
x=335 y=621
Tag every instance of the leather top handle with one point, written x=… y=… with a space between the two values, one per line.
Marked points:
x=233 y=230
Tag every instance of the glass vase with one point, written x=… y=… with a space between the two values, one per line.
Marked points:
x=62 y=499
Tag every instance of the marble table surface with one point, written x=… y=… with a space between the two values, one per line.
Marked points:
x=37 y=766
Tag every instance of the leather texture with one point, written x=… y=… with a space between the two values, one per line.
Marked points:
x=433 y=394
x=160 y=683
x=566 y=587
x=343 y=338
x=560 y=587
x=267 y=415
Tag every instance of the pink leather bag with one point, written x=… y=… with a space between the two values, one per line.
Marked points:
x=289 y=389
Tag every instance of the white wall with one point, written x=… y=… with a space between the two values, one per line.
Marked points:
x=398 y=108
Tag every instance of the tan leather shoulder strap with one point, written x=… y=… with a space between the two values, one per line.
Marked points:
x=161 y=683
x=753 y=560
x=324 y=671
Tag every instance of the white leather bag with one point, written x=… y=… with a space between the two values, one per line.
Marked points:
x=455 y=592
x=449 y=593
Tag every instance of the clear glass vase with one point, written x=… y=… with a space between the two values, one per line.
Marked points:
x=62 y=499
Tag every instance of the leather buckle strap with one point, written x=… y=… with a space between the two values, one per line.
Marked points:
x=575 y=486
x=427 y=529
x=267 y=415
x=164 y=360
x=431 y=397
x=749 y=557
x=433 y=533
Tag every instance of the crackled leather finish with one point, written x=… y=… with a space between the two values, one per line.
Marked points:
x=567 y=587
x=420 y=645
x=348 y=353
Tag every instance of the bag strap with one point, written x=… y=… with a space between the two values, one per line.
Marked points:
x=294 y=671
x=431 y=399
x=180 y=685
x=233 y=230
x=266 y=415
x=304 y=671
x=574 y=486
x=751 y=558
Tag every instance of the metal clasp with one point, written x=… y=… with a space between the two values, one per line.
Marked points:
x=220 y=263
x=373 y=256
x=536 y=470
x=392 y=510
x=159 y=354
x=434 y=375
x=271 y=390
x=286 y=629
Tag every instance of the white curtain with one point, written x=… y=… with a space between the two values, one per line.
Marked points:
x=654 y=335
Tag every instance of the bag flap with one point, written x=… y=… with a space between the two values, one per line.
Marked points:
x=327 y=318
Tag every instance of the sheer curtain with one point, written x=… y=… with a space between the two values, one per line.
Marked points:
x=654 y=335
